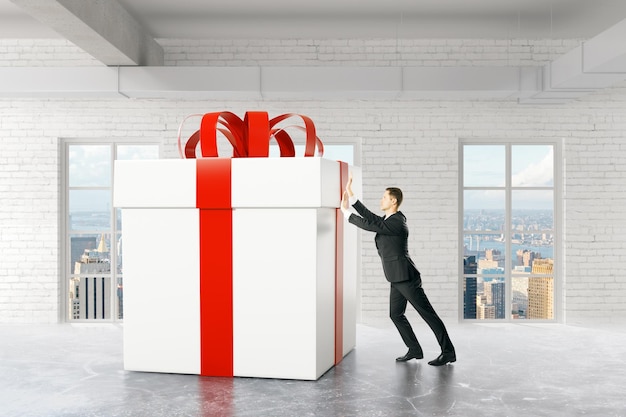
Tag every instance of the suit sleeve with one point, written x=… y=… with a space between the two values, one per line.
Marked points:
x=365 y=212
x=373 y=223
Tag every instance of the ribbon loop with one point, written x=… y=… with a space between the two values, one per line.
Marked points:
x=249 y=137
x=257 y=130
x=312 y=141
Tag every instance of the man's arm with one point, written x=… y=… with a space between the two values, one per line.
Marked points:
x=345 y=205
x=348 y=200
x=367 y=220
x=366 y=213
x=394 y=225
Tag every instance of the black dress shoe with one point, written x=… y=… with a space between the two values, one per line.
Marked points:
x=410 y=355
x=443 y=359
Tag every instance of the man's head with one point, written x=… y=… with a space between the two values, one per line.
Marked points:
x=392 y=198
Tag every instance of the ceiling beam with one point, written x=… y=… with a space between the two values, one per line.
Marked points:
x=598 y=63
x=257 y=83
x=102 y=28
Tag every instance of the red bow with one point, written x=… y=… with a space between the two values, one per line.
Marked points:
x=249 y=137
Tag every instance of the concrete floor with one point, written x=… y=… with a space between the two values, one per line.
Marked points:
x=502 y=370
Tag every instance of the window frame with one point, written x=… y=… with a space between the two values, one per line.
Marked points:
x=557 y=194
x=65 y=235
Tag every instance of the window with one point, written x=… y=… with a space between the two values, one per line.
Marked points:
x=509 y=230
x=92 y=268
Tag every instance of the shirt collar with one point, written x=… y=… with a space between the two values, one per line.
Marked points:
x=386 y=217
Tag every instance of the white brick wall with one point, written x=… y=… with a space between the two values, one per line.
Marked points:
x=411 y=144
x=43 y=52
x=596 y=220
x=379 y=52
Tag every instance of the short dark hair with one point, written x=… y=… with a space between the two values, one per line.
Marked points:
x=395 y=193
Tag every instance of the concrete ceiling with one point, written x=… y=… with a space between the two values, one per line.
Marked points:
x=207 y=19
x=124 y=36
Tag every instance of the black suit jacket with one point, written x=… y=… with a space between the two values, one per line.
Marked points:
x=391 y=241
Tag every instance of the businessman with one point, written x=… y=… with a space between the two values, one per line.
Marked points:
x=406 y=284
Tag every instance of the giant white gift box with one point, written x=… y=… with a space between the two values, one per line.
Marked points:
x=290 y=318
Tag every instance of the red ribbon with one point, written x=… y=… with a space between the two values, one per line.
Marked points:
x=213 y=198
x=249 y=137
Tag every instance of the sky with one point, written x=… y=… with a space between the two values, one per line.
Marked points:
x=531 y=166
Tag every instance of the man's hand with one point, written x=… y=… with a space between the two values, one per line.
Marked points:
x=344 y=200
x=349 y=186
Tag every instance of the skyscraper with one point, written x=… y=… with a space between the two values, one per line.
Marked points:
x=498 y=299
x=484 y=310
x=469 y=288
x=540 y=299
x=541 y=290
x=90 y=295
x=469 y=298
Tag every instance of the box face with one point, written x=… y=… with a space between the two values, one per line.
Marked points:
x=155 y=183
x=285 y=182
x=256 y=182
x=283 y=302
x=161 y=290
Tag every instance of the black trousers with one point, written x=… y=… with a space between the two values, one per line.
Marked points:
x=412 y=291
